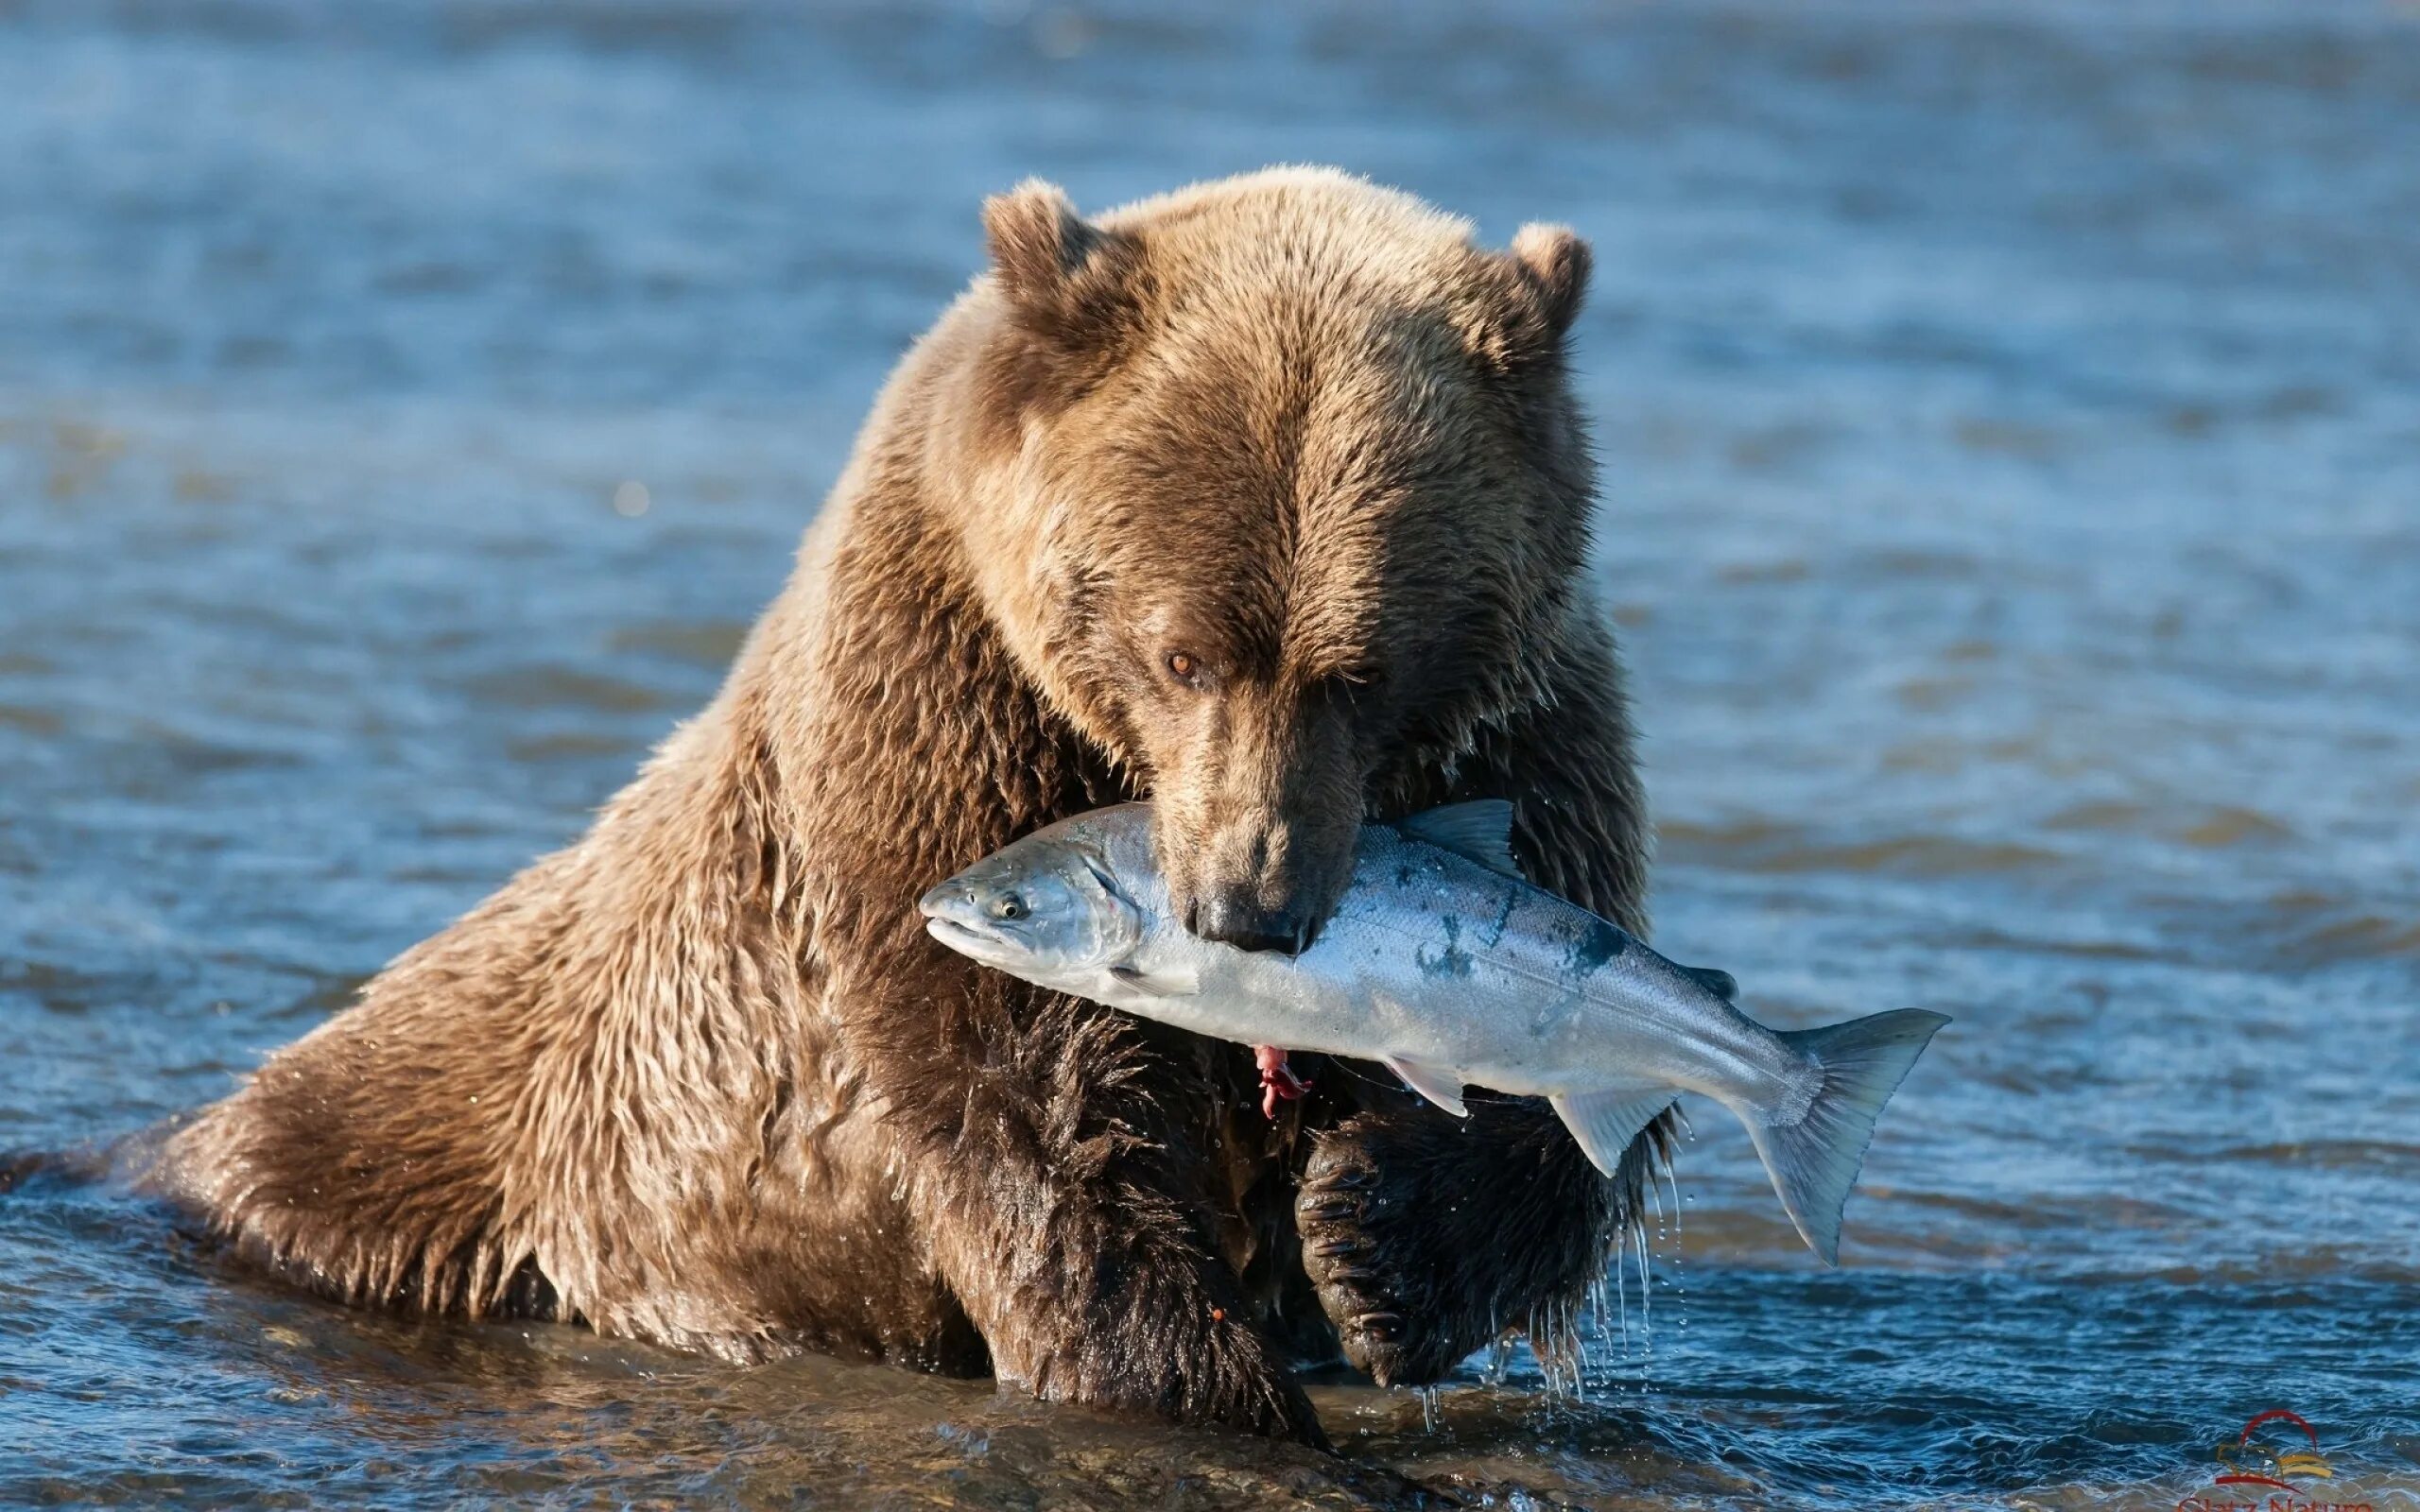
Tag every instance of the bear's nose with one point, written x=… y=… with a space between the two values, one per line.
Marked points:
x=1232 y=921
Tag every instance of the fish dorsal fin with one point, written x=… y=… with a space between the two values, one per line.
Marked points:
x=1721 y=984
x=1479 y=831
x=1605 y=1123
x=1167 y=981
x=1436 y=1083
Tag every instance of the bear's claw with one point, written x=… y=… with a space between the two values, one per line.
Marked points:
x=1367 y=1246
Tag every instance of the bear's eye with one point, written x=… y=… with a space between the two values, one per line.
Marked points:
x=1183 y=666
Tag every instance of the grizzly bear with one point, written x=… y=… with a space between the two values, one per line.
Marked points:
x=1267 y=499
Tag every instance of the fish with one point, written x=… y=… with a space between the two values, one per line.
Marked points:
x=1444 y=963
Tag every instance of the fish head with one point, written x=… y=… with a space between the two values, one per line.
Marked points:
x=1048 y=909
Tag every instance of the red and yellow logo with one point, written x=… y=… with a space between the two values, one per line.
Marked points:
x=2279 y=1451
x=2280 y=1468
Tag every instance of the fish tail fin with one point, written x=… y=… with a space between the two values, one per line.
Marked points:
x=1814 y=1162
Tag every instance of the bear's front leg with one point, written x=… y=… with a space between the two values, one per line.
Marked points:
x=1428 y=1236
x=1064 y=1212
x=1425 y=1234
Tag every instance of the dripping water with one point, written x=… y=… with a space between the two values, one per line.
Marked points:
x=1500 y=1351
x=1677 y=1283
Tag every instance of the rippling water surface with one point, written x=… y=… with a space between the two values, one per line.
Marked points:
x=2012 y=418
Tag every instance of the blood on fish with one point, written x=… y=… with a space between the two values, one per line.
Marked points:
x=1277 y=1079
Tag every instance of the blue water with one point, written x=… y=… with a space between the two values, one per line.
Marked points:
x=2011 y=427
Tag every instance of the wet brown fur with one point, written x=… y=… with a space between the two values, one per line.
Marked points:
x=701 y=1078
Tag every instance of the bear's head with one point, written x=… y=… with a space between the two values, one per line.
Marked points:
x=1283 y=493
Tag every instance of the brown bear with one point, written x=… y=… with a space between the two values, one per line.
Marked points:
x=1267 y=499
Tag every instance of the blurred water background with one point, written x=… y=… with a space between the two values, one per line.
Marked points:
x=2011 y=426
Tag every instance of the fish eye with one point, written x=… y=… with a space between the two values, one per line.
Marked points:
x=1009 y=906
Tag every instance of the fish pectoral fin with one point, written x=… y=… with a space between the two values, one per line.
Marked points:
x=1605 y=1123
x=1168 y=982
x=1479 y=831
x=1439 y=1084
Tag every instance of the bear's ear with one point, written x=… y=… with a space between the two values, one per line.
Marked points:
x=1065 y=279
x=1553 y=264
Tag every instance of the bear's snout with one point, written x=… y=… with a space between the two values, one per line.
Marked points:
x=1234 y=920
x=1267 y=884
x=1256 y=823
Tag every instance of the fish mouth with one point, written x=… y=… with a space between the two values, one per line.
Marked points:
x=966 y=939
x=952 y=917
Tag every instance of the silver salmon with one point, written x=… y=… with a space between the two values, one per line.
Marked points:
x=1441 y=962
